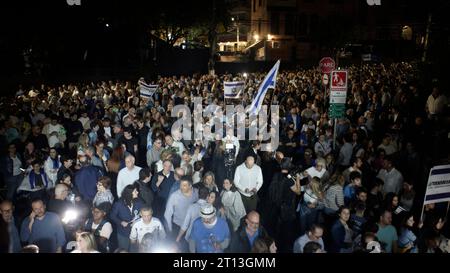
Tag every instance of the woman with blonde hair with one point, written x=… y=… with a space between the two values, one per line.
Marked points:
x=311 y=204
x=86 y=243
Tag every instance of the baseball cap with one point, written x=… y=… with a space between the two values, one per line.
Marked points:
x=207 y=211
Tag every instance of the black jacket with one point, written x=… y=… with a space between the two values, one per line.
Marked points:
x=7 y=165
x=145 y=193
x=239 y=240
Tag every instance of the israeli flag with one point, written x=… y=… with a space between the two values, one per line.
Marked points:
x=147 y=90
x=268 y=82
x=233 y=90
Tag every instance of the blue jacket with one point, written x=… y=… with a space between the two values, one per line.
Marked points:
x=120 y=212
x=338 y=237
x=86 y=181
x=298 y=121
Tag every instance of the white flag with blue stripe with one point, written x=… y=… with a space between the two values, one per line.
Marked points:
x=147 y=90
x=269 y=82
x=233 y=90
x=438 y=187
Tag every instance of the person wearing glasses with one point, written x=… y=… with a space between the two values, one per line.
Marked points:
x=242 y=241
x=314 y=234
x=99 y=226
x=104 y=193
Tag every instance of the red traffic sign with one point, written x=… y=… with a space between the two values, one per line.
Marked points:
x=327 y=65
x=339 y=80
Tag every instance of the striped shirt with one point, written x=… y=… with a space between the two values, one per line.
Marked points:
x=334 y=197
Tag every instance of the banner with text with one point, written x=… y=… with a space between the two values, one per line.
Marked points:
x=438 y=187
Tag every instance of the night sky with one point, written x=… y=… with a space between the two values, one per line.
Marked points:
x=60 y=35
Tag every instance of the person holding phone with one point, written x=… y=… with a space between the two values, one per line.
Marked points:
x=248 y=180
x=43 y=229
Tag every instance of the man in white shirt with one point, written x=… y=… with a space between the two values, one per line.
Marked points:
x=127 y=175
x=392 y=178
x=248 y=180
x=436 y=103
x=146 y=224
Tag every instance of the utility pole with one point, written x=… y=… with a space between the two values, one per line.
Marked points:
x=212 y=37
x=237 y=30
x=427 y=36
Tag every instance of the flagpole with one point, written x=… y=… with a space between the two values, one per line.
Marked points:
x=448 y=207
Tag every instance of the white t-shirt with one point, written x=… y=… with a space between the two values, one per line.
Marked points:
x=106 y=229
x=139 y=229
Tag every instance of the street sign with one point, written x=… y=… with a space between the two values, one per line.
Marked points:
x=325 y=79
x=327 y=65
x=338 y=93
x=339 y=80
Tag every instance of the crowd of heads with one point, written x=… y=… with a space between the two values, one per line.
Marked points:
x=98 y=146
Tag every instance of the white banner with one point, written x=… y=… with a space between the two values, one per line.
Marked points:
x=438 y=187
x=233 y=89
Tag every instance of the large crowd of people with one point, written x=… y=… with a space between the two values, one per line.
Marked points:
x=95 y=167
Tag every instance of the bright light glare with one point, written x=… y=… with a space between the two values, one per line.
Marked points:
x=69 y=216
x=162 y=249
x=245 y=75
